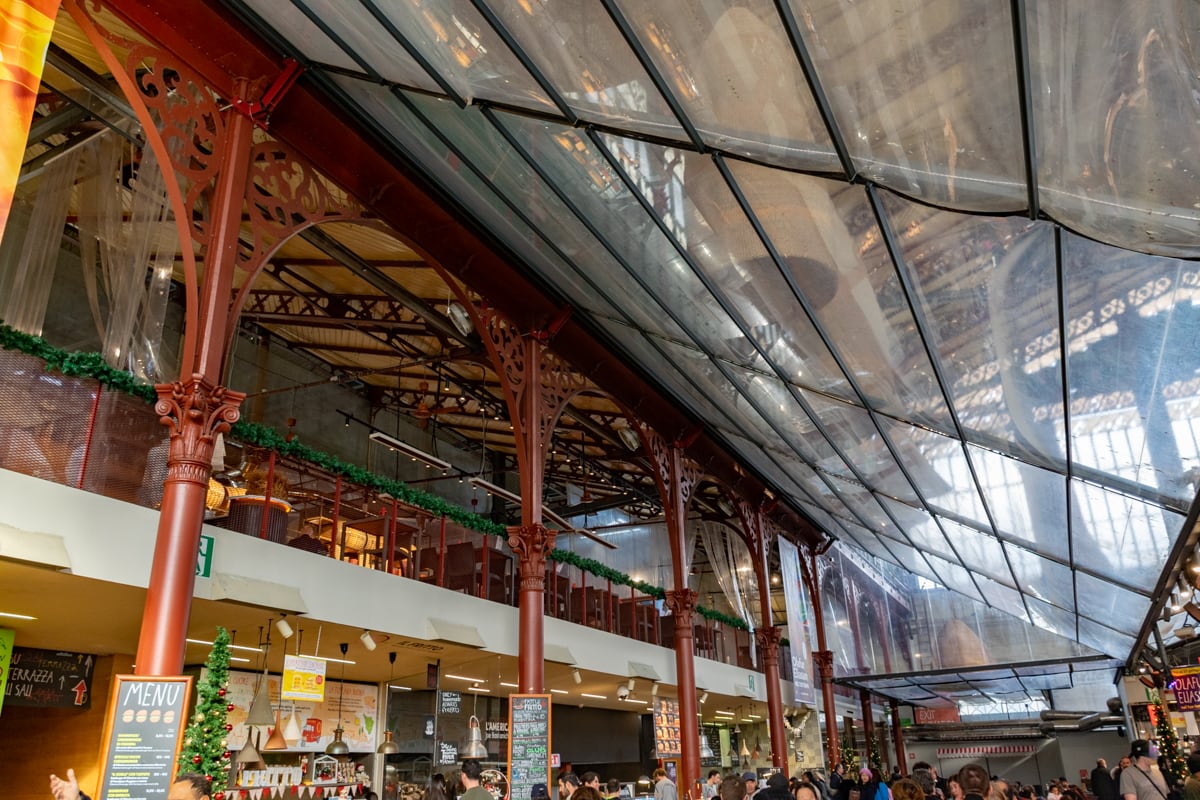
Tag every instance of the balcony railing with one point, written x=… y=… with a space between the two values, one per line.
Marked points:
x=76 y=432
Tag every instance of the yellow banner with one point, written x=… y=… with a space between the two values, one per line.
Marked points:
x=25 y=27
x=303 y=678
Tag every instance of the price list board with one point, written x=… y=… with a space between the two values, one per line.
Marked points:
x=666 y=728
x=528 y=743
x=143 y=732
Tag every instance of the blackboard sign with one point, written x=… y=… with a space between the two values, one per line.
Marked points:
x=451 y=703
x=143 y=730
x=447 y=753
x=528 y=743
x=49 y=678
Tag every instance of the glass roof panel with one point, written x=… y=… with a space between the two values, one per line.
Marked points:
x=361 y=37
x=988 y=290
x=827 y=237
x=1053 y=619
x=1108 y=166
x=465 y=50
x=1120 y=537
x=1042 y=578
x=778 y=406
x=1134 y=322
x=912 y=560
x=954 y=577
x=733 y=71
x=978 y=552
x=925 y=95
x=396 y=121
x=861 y=502
x=939 y=467
x=822 y=518
x=1027 y=502
x=922 y=529
x=582 y=53
x=766 y=461
x=1104 y=639
x=1002 y=597
x=1103 y=602
x=298 y=29
x=855 y=435
x=722 y=244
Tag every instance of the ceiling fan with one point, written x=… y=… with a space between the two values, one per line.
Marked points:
x=423 y=412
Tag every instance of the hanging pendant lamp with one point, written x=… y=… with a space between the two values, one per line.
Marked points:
x=276 y=740
x=249 y=753
x=337 y=747
x=757 y=748
x=706 y=750
x=388 y=746
x=292 y=730
x=474 y=746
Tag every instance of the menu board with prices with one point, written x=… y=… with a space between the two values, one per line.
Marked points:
x=528 y=743
x=666 y=728
x=450 y=702
x=143 y=731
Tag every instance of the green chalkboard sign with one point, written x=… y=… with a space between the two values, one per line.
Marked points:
x=528 y=743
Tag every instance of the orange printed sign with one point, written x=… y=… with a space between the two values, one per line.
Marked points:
x=25 y=27
x=935 y=716
x=303 y=678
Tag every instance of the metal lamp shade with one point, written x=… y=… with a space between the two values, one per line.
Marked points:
x=706 y=750
x=388 y=745
x=474 y=746
x=337 y=747
x=260 y=709
x=276 y=740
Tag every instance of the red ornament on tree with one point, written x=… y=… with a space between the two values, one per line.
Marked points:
x=208 y=778
x=229 y=707
x=196 y=759
x=220 y=692
x=228 y=726
x=227 y=755
x=218 y=796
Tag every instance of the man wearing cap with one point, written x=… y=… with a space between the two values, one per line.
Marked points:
x=1142 y=780
x=751 y=781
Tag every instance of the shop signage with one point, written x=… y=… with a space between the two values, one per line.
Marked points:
x=143 y=731
x=6 y=647
x=666 y=728
x=359 y=712
x=204 y=556
x=529 y=757
x=46 y=678
x=495 y=729
x=935 y=716
x=1186 y=683
x=799 y=623
x=447 y=753
x=450 y=703
x=303 y=678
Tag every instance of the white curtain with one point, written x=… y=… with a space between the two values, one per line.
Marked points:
x=733 y=569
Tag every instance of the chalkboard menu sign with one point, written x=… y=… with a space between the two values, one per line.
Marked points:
x=49 y=678
x=451 y=703
x=143 y=731
x=528 y=743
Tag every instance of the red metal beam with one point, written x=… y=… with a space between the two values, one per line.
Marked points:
x=222 y=51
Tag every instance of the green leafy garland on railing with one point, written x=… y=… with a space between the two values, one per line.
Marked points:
x=92 y=365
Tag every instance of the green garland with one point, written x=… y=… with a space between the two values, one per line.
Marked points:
x=92 y=365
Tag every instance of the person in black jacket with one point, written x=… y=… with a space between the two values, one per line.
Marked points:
x=1103 y=785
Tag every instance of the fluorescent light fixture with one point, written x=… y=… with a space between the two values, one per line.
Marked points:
x=231 y=646
x=492 y=488
x=478 y=689
x=327 y=658
x=594 y=696
x=721 y=713
x=511 y=685
x=569 y=528
x=8 y=615
x=465 y=678
x=400 y=688
x=755 y=716
x=631 y=700
x=415 y=453
x=239 y=659
x=560 y=691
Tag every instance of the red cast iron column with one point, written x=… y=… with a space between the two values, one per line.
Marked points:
x=760 y=538
x=901 y=761
x=823 y=658
x=537 y=386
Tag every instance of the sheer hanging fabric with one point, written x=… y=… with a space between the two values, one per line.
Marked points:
x=733 y=569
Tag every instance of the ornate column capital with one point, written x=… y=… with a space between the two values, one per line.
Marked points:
x=824 y=662
x=531 y=543
x=767 y=640
x=682 y=603
x=195 y=411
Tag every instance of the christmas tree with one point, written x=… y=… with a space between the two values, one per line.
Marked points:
x=205 y=741
x=1175 y=766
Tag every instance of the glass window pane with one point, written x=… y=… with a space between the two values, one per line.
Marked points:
x=364 y=38
x=978 y=552
x=1101 y=601
x=988 y=290
x=1042 y=578
x=1050 y=618
x=305 y=36
x=954 y=577
x=914 y=562
x=733 y=70
x=1026 y=502
x=855 y=435
x=942 y=473
x=925 y=95
x=1132 y=365
x=1104 y=639
x=922 y=529
x=1121 y=537
x=825 y=233
x=466 y=51
x=1002 y=597
x=582 y=53
x=1109 y=165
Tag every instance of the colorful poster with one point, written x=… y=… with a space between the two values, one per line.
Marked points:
x=1185 y=681
x=315 y=719
x=25 y=27
x=303 y=678
x=7 y=635
x=666 y=728
x=795 y=599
